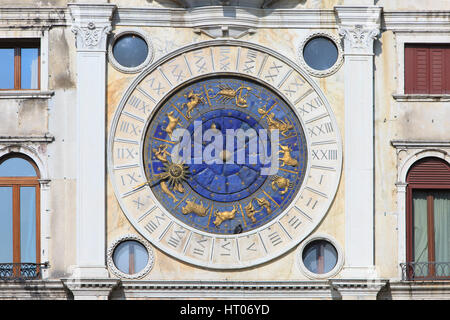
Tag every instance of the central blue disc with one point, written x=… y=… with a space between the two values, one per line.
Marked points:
x=222 y=186
x=236 y=179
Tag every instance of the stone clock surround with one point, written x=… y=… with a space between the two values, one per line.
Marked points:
x=283 y=77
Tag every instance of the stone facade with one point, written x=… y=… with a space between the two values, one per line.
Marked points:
x=65 y=127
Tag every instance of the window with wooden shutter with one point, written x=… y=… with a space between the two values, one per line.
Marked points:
x=428 y=220
x=427 y=68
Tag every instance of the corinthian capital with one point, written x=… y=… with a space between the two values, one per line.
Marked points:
x=91 y=25
x=359 y=26
x=359 y=37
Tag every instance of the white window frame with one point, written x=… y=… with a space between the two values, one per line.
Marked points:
x=32 y=147
x=43 y=92
x=408 y=152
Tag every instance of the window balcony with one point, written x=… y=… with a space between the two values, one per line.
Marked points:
x=418 y=271
x=21 y=271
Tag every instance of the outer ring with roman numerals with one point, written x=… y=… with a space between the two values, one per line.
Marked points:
x=153 y=86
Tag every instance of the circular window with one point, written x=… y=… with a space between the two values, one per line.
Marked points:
x=130 y=51
x=320 y=54
x=319 y=256
x=130 y=258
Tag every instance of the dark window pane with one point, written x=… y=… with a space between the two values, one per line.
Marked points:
x=6 y=225
x=17 y=167
x=29 y=68
x=320 y=53
x=28 y=224
x=6 y=68
x=130 y=257
x=130 y=51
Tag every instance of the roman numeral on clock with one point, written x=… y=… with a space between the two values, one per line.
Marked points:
x=320 y=129
x=200 y=248
x=125 y=153
x=324 y=154
x=154 y=224
x=175 y=239
x=275 y=238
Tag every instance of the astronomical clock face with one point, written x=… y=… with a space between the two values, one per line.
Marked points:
x=224 y=155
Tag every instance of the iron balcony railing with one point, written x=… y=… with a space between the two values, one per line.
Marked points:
x=425 y=270
x=21 y=271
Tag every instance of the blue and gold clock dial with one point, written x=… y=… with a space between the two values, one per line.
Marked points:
x=232 y=195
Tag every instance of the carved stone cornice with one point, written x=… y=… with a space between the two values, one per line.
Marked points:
x=245 y=3
x=91 y=24
x=359 y=26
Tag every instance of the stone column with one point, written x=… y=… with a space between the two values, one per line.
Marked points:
x=44 y=185
x=359 y=25
x=91 y=24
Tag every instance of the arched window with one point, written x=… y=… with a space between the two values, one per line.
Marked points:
x=428 y=219
x=19 y=217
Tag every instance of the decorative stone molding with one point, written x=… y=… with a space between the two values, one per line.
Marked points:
x=33 y=289
x=421 y=97
x=121 y=33
x=140 y=274
x=90 y=289
x=91 y=24
x=205 y=3
x=225 y=289
x=358 y=289
x=224 y=31
x=315 y=276
x=332 y=69
x=416 y=21
x=417 y=290
x=32 y=94
x=36 y=18
x=47 y=138
x=231 y=16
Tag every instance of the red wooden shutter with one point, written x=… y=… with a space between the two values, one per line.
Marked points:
x=427 y=69
x=437 y=70
x=429 y=172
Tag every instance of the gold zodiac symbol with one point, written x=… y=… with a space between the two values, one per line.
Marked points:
x=224 y=215
x=263 y=202
x=250 y=211
x=161 y=153
x=167 y=191
x=226 y=93
x=173 y=121
x=287 y=159
x=194 y=100
x=283 y=126
x=280 y=183
x=193 y=207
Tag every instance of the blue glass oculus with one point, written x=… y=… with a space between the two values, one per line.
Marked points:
x=233 y=196
x=320 y=53
x=130 y=50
